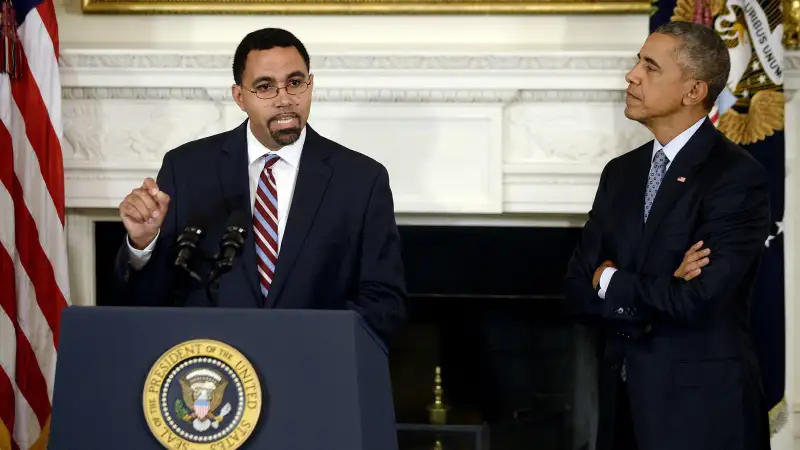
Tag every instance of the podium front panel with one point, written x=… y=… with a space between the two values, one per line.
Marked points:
x=320 y=382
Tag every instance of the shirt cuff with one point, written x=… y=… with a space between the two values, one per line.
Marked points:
x=605 y=279
x=138 y=258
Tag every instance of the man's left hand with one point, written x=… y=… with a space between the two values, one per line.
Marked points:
x=599 y=272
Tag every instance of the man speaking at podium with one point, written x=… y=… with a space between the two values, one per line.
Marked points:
x=295 y=220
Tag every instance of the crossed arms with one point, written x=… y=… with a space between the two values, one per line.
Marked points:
x=733 y=224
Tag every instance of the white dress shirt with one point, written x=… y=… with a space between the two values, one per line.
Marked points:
x=671 y=151
x=285 y=173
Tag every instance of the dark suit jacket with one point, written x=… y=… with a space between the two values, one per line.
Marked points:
x=340 y=250
x=692 y=374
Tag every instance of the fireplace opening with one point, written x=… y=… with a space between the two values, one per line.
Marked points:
x=486 y=307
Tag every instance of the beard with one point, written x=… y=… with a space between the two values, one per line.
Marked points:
x=285 y=136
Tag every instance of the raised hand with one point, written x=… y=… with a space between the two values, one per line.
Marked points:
x=142 y=212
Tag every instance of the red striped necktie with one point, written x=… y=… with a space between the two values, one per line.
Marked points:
x=265 y=225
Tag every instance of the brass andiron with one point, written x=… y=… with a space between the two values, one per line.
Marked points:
x=791 y=24
x=437 y=411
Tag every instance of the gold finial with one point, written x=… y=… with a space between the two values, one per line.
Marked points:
x=437 y=411
x=438 y=445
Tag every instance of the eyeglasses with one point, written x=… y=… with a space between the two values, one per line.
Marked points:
x=268 y=91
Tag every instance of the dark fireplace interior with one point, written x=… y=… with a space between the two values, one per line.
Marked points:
x=486 y=307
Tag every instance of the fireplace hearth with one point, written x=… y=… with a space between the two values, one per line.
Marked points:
x=485 y=305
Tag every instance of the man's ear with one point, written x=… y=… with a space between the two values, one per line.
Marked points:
x=237 y=94
x=697 y=94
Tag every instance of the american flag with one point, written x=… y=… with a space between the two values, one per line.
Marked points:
x=33 y=252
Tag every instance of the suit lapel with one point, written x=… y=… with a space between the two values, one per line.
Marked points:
x=235 y=181
x=632 y=197
x=312 y=181
x=677 y=180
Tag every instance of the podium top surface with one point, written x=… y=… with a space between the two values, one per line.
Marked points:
x=328 y=320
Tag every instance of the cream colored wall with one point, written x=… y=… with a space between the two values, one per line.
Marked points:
x=557 y=32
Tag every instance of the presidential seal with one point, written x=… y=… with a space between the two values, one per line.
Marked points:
x=202 y=395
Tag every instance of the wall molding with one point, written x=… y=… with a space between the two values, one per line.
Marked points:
x=364 y=72
x=354 y=95
x=448 y=70
x=379 y=61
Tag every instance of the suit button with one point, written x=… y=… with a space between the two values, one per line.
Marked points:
x=627 y=311
x=620 y=311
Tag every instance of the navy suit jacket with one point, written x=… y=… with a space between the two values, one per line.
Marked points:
x=692 y=373
x=340 y=250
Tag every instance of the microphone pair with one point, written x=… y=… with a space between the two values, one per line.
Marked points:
x=232 y=240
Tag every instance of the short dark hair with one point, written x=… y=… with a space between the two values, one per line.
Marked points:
x=265 y=39
x=702 y=53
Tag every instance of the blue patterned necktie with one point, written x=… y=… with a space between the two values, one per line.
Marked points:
x=654 y=181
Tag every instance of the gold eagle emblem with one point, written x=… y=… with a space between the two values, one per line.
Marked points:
x=759 y=108
x=190 y=395
x=766 y=115
x=684 y=10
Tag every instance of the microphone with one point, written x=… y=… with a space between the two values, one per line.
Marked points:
x=232 y=241
x=187 y=244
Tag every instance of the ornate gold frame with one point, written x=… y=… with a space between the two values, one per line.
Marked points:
x=365 y=6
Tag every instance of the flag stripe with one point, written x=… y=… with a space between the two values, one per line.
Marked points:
x=40 y=57
x=28 y=378
x=47 y=13
x=50 y=297
x=8 y=340
x=40 y=133
x=30 y=253
x=30 y=381
x=29 y=317
x=26 y=423
x=6 y=355
x=28 y=375
x=33 y=325
x=34 y=191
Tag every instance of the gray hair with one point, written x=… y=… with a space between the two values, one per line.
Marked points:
x=702 y=54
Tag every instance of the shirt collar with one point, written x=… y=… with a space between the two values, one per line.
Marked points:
x=675 y=145
x=290 y=154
